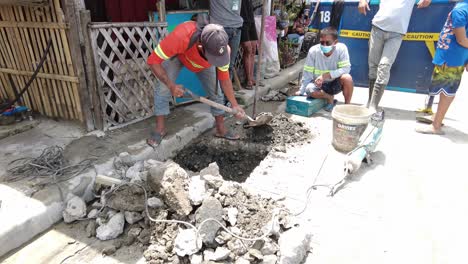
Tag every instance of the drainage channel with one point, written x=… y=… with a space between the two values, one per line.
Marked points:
x=237 y=159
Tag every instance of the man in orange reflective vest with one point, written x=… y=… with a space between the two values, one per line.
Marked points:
x=200 y=52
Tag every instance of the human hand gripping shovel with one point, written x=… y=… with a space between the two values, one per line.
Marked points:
x=262 y=118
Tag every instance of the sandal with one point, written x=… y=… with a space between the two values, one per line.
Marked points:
x=426 y=119
x=155 y=139
x=249 y=87
x=429 y=130
x=329 y=107
x=229 y=136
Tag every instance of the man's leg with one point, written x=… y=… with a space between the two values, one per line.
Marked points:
x=390 y=51
x=318 y=93
x=234 y=35
x=208 y=79
x=444 y=104
x=248 y=58
x=347 y=85
x=376 y=45
x=162 y=97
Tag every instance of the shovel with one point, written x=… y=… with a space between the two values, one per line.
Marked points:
x=262 y=119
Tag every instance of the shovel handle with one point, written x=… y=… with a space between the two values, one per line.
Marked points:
x=210 y=103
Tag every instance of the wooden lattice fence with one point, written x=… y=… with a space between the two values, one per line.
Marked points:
x=125 y=82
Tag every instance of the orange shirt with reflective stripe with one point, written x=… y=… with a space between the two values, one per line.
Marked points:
x=176 y=43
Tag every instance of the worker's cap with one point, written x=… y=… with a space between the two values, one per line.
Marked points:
x=215 y=42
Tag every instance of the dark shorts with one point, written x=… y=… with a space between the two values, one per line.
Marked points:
x=333 y=87
x=446 y=80
x=249 y=33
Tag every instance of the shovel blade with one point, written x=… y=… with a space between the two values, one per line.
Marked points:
x=261 y=120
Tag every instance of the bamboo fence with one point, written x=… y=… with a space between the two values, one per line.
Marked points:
x=24 y=33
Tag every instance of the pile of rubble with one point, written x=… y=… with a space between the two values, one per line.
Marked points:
x=200 y=203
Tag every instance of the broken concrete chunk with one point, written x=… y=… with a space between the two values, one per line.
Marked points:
x=127 y=198
x=223 y=237
x=294 y=245
x=147 y=164
x=134 y=170
x=110 y=213
x=269 y=259
x=196 y=259
x=237 y=247
x=187 y=243
x=273 y=227
x=144 y=236
x=228 y=188
x=256 y=254
x=144 y=175
x=155 y=202
x=126 y=159
x=197 y=190
x=109 y=250
x=213 y=181
x=136 y=179
x=76 y=209
x=232 y=215
x=270 y=248
x=111 y=229
x=212 y=169
x=210 y=208
x=133 y=217
x=93 y=213
x=221 y=253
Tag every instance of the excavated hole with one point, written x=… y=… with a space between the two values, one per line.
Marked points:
x=236 y=159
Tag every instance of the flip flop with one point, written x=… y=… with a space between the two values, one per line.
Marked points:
x=428 y=130
x=155 y=139
x=229 y=136
x=249 y=87
x=425 y=119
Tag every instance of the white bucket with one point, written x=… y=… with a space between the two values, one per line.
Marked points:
x=349 y=123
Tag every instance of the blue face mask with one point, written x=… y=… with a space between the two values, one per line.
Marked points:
x=326 y=49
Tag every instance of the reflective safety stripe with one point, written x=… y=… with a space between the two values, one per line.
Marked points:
x=342 y=64
x=317 y=71
x=224 y=68
x=309 y=68
x=194 y=64
x=161 y=53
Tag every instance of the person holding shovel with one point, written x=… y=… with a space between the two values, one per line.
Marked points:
x=202 y=51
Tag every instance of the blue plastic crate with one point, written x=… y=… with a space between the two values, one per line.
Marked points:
x=303 y=106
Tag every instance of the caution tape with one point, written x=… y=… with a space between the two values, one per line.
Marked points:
x=427 y=37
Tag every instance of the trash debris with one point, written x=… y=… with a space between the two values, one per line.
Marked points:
x=111 y=229
x=76 y=209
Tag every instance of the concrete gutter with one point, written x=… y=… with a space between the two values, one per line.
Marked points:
x=23 y=216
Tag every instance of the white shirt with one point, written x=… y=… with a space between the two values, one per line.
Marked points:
x=394 y=15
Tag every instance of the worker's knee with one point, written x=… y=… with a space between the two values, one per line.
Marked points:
x=346 y=80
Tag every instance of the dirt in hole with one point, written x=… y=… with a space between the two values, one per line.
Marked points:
x=235 y=164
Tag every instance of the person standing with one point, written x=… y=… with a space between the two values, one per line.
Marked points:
x=389 y=26
x=249 y=40
x=450 y=61
x=227 y=14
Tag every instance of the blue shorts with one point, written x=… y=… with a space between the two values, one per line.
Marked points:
x=332 y=88
x=446 y=80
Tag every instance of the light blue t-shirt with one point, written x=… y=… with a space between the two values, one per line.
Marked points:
x=394 y=15
x=448 y=50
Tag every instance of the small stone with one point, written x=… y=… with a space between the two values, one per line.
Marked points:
x=212 y=169
x=91 y=228
x=136 y=179
x=237 y=247
x=256 y=254
x=109 y=250
x=232 y=215
x=110 y=213
x=196 y=259
x=242 y=261
x=269 y=259
x=126 y=159
x=76 y=209
x=129 y=240
x=187 y=243
x=270 y=248
x=197 y=190
x=134 y=231
x=155 y=203
x=144 y=237
x=93 y=213
x=213 y=181
x=133 y=217
x=221 y=253
x=144 y=175
x=272 y=227
x=228 y=188
x=118 y=243
x=223 y=237
x=111 y=229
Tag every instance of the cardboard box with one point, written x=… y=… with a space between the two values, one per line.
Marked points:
x=303 y=106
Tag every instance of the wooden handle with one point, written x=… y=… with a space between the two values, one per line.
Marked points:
x=216 y=105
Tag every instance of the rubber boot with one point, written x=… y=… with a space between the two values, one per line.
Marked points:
x=377 y=94
x=371 y=88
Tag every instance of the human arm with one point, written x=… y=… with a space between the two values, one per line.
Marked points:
x=161 y=74
x=460 y=36
x=226 y=85
x=363 y=7
x=344 y=64
x=424 y=3
x=459 y=21
x=308 y=72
